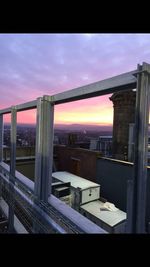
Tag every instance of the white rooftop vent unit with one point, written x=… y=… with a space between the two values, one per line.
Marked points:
x=82 y=190
x=105 y=215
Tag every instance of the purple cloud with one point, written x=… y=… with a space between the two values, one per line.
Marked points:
x=35 y=64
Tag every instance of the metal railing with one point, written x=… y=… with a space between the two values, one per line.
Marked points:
x=44 y=143
x=34 y=214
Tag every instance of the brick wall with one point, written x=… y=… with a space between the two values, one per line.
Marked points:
x=78 y=161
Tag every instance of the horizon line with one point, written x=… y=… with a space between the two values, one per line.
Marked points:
x=65 y=124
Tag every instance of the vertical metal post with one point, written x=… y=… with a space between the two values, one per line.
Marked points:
x=129 y=206
x=12 y=167
x=44 y=148
x=1 y=137
x=141 y=149
x=1 y=146
x=130 y=142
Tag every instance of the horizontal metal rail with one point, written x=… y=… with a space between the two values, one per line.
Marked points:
x=54 y=207
x=70 y=219
x=75 y=217
x=18 y=226
x=21 y=107
x=121 y=82
x=36 y=213
x=19 y=177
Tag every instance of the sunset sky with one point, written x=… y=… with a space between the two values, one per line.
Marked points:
x=33 y=65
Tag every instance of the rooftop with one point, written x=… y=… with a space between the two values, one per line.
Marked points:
x=30 y=204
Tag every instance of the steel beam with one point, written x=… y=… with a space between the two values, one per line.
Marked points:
x=129 y=206
x=124 y=81
x=44 y=149
x=5 y=111
x=28 y=204
x=141 y=149
x=12 y=165
x=77 y=220
x=27 y=105
x=13 y=143
x=1 y=146
x=75 y=217
x=21 y=107
x=1 y=138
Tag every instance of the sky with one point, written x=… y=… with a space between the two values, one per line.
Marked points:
x=33 y=65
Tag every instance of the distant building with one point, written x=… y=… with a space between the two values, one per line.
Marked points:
x=102 y=144
x=105 y=145
x=56 y=139
x=72 y=139
x=94 y=144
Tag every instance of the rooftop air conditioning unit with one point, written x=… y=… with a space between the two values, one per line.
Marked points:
x=82 y=190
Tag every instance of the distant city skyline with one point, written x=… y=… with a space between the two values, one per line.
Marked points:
x=32 y=65
x=72 y=127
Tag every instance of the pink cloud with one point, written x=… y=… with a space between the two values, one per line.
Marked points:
x=40 y=64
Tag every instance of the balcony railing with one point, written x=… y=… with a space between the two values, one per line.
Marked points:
x=40 y=202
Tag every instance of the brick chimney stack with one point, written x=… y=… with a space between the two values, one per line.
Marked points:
x=124 y=113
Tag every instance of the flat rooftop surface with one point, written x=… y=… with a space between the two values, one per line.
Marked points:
x=111 y=218
x=76 y=181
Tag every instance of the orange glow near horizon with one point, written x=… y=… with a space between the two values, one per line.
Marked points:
x=105 y=118
x=96 y=111
x=93 y=111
